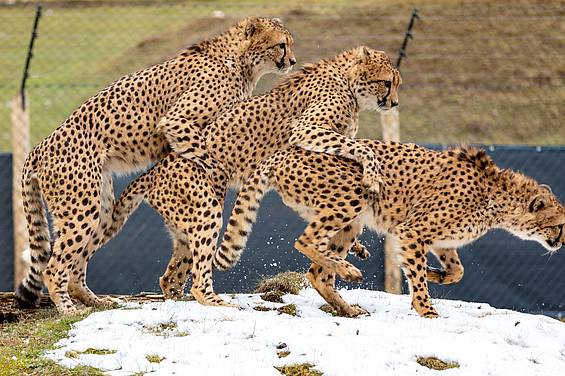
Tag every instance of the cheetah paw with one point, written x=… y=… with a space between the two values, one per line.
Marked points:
x=74 y=311
x=360 y=251
x=348 y=272
x=372 y=181
x=355 y=311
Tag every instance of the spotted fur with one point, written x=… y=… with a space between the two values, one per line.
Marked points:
x=133 y=122
x=315 y=109
x=429 y=202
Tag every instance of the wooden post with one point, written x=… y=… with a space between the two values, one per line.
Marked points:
x=390 y=121
x=20 y=151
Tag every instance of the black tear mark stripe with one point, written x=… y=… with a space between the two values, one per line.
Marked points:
x=280 y=64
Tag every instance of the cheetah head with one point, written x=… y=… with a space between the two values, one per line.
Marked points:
x=374 y=80
x=541 y=218
x=268 y=45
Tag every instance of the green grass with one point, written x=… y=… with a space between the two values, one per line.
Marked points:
x=478 y=79
x=23 y=344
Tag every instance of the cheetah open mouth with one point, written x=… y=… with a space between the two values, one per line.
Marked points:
x=280 y=64
x=382 y=106
x=556 y=243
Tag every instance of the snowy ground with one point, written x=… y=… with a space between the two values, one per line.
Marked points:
x=199 y=340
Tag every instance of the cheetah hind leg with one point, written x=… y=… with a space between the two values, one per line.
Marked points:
x=313 y=243
x=414 y=261
x=323 y=280
x=78 y=289
x=174 y=280
x=452 y=269
x=58 y=273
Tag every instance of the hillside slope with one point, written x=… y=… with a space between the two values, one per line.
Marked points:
x=484 y=71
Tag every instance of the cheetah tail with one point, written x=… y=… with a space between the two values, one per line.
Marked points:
x=29 y=290
x=242 y=219
x=130 y=199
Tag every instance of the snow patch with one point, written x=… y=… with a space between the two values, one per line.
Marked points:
x=194 y=339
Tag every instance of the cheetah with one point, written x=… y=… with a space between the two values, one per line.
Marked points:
x=130 y=124
x=429 y=202
x=316 y=109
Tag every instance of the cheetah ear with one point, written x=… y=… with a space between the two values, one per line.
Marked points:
x=539 y=202
x=252 y=26
x=362 y=54
x=546 y=187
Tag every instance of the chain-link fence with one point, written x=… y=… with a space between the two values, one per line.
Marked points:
x=6 y=228
x=483 y=72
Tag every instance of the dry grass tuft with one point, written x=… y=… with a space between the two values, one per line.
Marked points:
x=302 y=369
x=273 y=296
x=435 y=363
x=287 y=283
x=154 y=358
x=328 y=309
x=94 y=351
x=289 y=309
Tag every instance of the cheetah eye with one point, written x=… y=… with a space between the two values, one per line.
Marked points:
x=282 y=45
x=387 y=84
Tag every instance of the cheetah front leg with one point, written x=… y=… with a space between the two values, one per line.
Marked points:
x=359 y=250
x=452 y=271
x=323 y=279
x=196 y=217
x=323 y=140
x=414 y=262
x=184 y=136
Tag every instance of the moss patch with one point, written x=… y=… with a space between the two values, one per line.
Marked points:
x=262 y=308
x=289 y=309
x=302 y=369
x=168 y=325
x=435 y=363
x=94 y=351
x=72 y=354
x=23 y=343
x=328 y=309
x=166 y=329
x=154 y=358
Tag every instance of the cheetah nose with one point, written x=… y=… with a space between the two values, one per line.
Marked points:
x=394 y=104
x=292 y=62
